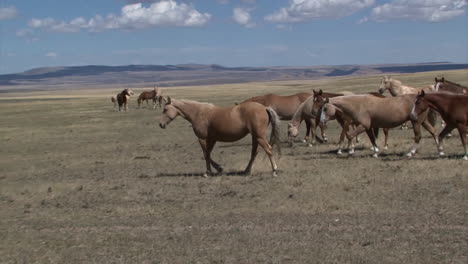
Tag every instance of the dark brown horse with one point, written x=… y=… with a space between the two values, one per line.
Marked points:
x=226 y=124
x=123 y=97
x=454 y=110
x=286 y=106
x=442 y=85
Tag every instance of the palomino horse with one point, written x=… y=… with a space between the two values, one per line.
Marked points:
x=226 y=124
x=369 y=111
x=395 y=87
x=442 y=85
x=345 y=121
x=123 y=97
x=453 y=109
x=155 y=95
x=286 y=106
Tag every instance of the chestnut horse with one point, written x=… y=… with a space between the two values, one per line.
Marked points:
x=286 y=106
x=442 y=85
x=122 y=98
x=369 y=111
x=155 y=95
x=454 y=110
x=226 y=124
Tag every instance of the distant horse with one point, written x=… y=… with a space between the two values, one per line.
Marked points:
x=226 y=124
x=123 y=97
x=369 y=111
x=442 y=85
x=286 y=106
x=454 y=110
x=396 y=88
x=155 y=95
x=114 y=101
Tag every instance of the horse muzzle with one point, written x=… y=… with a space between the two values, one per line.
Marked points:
x=161 y=125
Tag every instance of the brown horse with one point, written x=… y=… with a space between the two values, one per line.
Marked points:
x=286 y=106
x=442 y=85
x=369 y=111
x=155 y=95
x=453 y=109
x=123 y=97
x=305 y=112
x=226 y=124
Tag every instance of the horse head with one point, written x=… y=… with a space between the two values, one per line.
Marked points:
x=318 y=102
x=293 y=131
x=385 y=84
x=170 y=112
x=328 y=112
x=420 y=105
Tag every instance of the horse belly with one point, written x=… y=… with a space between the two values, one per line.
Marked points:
x=228 y=133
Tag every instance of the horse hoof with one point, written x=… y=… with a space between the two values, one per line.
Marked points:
x=309 y=145
x=409 y=155
x=465 y=158
x=325 y=139
x=339 y=152
x=351 y=152
x=441 y=154
x=385 y=147
x=304 y=141
x=205 y=175
x=375 y=155
x=275 y=174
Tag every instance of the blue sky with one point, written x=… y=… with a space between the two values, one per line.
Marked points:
x=230 y=32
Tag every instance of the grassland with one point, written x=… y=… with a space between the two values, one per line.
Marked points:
x=82 y=183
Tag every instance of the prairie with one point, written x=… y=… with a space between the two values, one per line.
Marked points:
x=82 y=183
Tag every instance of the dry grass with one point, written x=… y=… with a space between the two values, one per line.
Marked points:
x=81 y=183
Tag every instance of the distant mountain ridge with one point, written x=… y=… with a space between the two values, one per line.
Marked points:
x=197 y=74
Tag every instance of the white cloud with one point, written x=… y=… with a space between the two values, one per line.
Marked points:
x=8 y=13
x=132 y=16
x=51 y=54
x=304 y=10
x=423 y=10
x=242 y=17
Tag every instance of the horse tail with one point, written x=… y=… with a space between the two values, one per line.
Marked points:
x=432 y=117
x=275 y=129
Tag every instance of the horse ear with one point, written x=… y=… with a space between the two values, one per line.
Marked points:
x=423 y=93
x=315 y=92
x=168 y=100
x=289 y=125
x=443 y=79
x=320 y=92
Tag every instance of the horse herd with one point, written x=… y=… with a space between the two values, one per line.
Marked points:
x=356 y=113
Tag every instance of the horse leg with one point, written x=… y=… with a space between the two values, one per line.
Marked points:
x=385 y=131
x=443 y=133
x=427 y=125
x=371 y=135
x=209 y=147
x=344 y=130
x=204 y=147
x=253 y=154
x=354 y=133
x=462 y=131
x=268 y=150
x=417 y=139
x=322 y=129
x=310 y=132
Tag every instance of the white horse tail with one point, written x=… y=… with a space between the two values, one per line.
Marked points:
x=275 y=129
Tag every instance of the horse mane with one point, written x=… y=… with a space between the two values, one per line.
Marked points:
x=300 y=108
x=194 y=102
x=453 y=83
